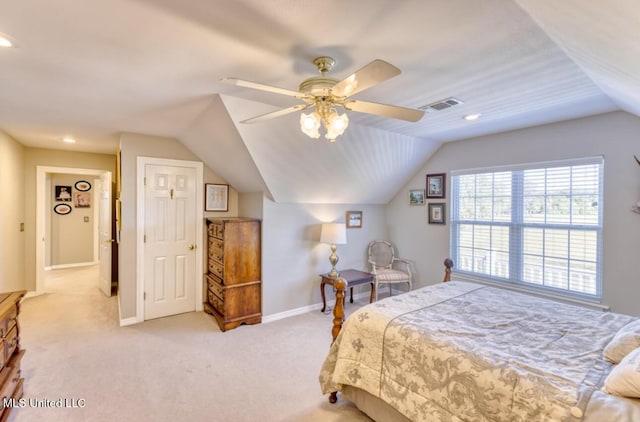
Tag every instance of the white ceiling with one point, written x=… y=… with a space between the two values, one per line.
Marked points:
x=94 y=69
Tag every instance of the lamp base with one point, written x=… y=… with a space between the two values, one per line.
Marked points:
x=333 y=259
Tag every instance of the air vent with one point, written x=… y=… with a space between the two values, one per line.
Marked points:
x=442 y=104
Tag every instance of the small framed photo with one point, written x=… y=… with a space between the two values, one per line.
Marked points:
x=62 y=209
x=416 y=197
x=63 y=193
x=436 y=185
x=216 y=197
x=354 y=219
x=83 y=186
x=82 y=200
x=436 y=213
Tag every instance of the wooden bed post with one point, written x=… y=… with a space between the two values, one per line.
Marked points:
x=338 y=310
x=448 y=263
x=338 y=318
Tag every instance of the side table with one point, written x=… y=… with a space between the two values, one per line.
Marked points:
x=353 y=278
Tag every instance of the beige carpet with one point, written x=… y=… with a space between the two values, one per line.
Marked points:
x=179 y=368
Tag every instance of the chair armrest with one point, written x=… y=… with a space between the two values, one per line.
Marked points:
x=403 y=261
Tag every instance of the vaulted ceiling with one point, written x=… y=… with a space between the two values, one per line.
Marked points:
x=93 y=69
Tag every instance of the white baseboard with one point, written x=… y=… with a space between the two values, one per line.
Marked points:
x=126 y=321
x=309 y=308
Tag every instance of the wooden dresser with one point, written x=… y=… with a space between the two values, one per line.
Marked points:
x=10 y=352
x=234 y=286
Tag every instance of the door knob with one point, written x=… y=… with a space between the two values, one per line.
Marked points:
x=191 y=247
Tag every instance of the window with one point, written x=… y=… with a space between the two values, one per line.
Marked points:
x=536 y=225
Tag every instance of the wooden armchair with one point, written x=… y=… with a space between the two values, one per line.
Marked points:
x=385 y=267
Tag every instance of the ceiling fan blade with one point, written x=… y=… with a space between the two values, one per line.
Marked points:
x=386 y=110
x=372 y=74
x=262 y=87
x=276 y=113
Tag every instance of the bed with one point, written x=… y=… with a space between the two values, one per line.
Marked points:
x=460 y=351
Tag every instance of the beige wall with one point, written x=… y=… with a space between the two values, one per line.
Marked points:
x=72 y=234
x=293 y=257
x=35 y=157
x=12 y=240
x=133 y=146
x=613 y=135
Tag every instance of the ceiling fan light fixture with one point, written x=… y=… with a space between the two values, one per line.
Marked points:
x=335 y=125
x=310 y=124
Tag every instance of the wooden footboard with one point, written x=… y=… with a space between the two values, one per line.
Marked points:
x=338 y=310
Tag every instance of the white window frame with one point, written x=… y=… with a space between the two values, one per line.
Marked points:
x=517 y=226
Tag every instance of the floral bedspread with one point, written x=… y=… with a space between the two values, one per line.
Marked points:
x=460 y=351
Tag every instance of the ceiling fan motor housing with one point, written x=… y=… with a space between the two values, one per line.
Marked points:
x=317 y=86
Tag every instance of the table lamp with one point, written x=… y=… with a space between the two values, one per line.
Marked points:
x=333 y=234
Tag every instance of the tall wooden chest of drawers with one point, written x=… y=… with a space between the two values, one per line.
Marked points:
x=10 y=352
x=234 y=286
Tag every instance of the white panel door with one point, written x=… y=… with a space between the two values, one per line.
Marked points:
x=104 y=232
x=169 y=240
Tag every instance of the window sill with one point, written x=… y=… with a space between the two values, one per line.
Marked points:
x=545 y=295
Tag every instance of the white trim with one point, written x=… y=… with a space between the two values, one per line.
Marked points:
x=128 y=321
x=41 y=213
x=310 y=308
x=519 y=289
x=141 y=162
x=292 y=312
x=597 y=159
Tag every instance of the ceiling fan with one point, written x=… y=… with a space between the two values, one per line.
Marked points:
x=324 y=94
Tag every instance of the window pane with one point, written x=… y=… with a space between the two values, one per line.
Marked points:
x=584 y=209
x=556 y=243
x=533 y=242
x=532 y=269
x=584 y=245
x=484 y=209
x=534 y=208
x=465 y=236
x=556 y=273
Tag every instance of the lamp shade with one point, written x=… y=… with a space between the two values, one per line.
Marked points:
x=333 y=234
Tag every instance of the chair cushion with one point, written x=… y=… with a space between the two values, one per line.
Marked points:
x=386 y=275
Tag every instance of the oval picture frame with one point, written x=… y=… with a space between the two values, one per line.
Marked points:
x=62 y=209
x=82 y=186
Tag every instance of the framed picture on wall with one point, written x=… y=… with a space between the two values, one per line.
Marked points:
x=354 y=219
x=416 y=197
x=436 y=213
x=436 y=185
x=216 y=197
x=82 y=200
x=63 y=193
x=62 y=209
x=83 y=186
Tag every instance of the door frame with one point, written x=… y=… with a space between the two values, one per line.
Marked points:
x=41 y=215
x=140 y=213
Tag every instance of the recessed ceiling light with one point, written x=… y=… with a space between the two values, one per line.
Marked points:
x=5 y=42
x=69 y=140
x=472 y=116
